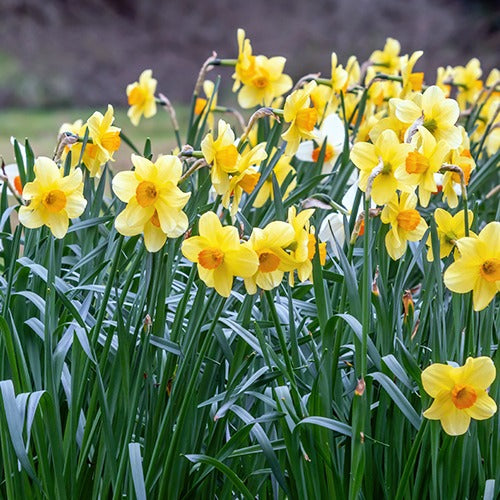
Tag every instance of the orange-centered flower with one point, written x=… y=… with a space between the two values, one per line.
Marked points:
x=53 y=198
x=478 y=267
x=460 y=393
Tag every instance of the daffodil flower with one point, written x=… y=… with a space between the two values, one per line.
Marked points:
x=389 y=155
x=450 y=228
x=53 y=198
x=141 y=97
x=154 y=201
x=332 y=130
x=219 y=254
x=301 y=117
x=406 y=224
x=460 y=393
x=478 y=267
x=269 y=244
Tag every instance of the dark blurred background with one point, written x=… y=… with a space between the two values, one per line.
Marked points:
x=64 y=53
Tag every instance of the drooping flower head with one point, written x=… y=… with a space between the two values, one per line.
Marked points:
x=53 y=198
x=478 y=267
x=460 y=393
x=219 y=254
x=154 y=201
x=141 y=97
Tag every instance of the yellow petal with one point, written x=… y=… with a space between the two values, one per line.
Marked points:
x=125 y=185
x=75 y=205
x=483 y=408
x=223 y=280
x=191 y=247
x=437 y=378
x=364 y=156
x=154 y=237
x=483 y=293
x=145 y=169
x=30 y=218
x=461 y=278
x=209 y=225
x=455 y=422
x=58 y=223
x=242 y=262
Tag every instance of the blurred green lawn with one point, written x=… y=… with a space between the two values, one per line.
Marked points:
x=42 y=126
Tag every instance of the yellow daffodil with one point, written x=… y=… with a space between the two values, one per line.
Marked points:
x=245 y=64
x=437 y=114
x=303 y=246
x=387 y=60
x=301 y=117
x=332 y=131
x=53 y=198
x=467 y=78
x=388 y=154
x=460 y=393
x=462 y=158
x=222 y=154
x=105 y=138
x=219 y=254
x=411 y=81
x=141 y=97
x=246 y=177
x=261 y=78
x=478 y=267
x=406 y=224
x=321 y=97
x=269 y=244
x=423 y=163
x=449 y=229
x=154 y=202
x=444 y=76
x=281 y=170
x=353 y=71
x=339 y=75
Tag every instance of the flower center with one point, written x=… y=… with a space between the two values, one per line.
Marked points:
x=111 y=141
x=54 y=201
x=306 y=119
x=490 y=270
x=409 y=219
x=416 y=163
x=260 y=82
x=268 y=261
x=329 y=152
x=226 y=157
x=136 y=97
x=430 y=125
x=155 y=220
x=463 y=396
x=146 y=194
x=210 y=258
x=249 y=181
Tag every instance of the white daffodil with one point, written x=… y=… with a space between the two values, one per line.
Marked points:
x=333 y=131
